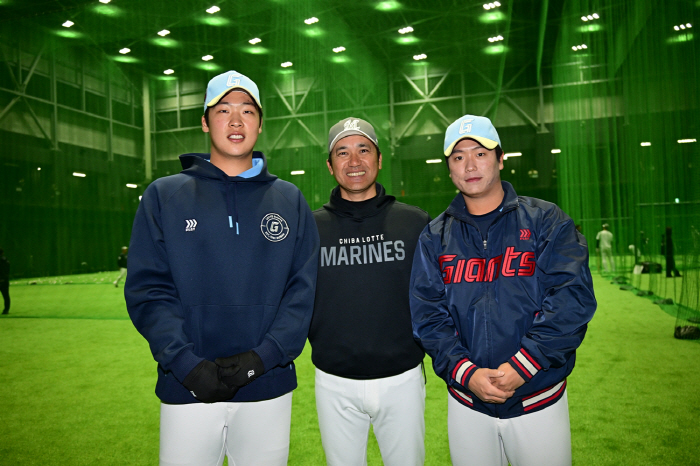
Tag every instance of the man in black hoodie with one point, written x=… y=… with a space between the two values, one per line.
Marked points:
x=368 y=366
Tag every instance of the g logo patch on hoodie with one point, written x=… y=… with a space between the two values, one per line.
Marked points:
x=274 y=227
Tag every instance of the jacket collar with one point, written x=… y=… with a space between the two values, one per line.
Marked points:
x=458 y=208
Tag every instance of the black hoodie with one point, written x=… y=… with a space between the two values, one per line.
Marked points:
x=361 y=326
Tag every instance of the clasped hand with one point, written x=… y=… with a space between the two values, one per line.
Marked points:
x=495 y=385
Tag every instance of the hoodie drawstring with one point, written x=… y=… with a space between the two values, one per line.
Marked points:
x=232 y=205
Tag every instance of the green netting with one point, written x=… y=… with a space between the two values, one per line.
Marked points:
x=622 y=105
x=70 y=102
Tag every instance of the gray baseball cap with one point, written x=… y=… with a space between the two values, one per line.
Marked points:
x=349 y=127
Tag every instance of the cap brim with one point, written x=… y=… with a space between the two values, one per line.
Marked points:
x=487 y=143
x=344 y=134
x=215 y=100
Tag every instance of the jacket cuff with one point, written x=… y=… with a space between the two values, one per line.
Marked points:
x=269 y=353
x=184 y=363
x=525 y=365
x=463 y=372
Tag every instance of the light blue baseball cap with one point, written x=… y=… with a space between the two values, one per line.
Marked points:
x=220 y=85
x=472 y=127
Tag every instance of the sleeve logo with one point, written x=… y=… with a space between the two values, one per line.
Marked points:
x=274 y=227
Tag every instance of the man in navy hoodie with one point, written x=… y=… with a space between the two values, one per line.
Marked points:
x=221 y=283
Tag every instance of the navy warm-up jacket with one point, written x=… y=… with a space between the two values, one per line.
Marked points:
x=523 y=296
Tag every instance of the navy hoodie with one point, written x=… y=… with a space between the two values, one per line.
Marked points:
x=220 y=265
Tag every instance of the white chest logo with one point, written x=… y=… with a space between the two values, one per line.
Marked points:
x=274 y=227
x=190 y=224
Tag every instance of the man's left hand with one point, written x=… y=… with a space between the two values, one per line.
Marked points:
x=510 y=381
x=240 y=369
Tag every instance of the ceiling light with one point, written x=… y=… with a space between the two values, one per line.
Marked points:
x=286 y=64
x=131 y=185
x=556 y=151
x=433 y=161
x=105 y=1
x=79 y=175
x=68 y=24
x=38 y=168
x=496 y=38
x=298 y=172
x=676 y=28
x=405 y=30
x=645 y=144
x=489 y=6
x=388 y=5
x=311 y=20
x=512 y=154
x=125 y=50
x=682 y=26
x=257 y=40
x=579 y=47
x=207 y=57
x=168 y=71
x=213 y=10
x=339 y=49
x=595 y=15
x=163 y=33
x=422 y=56
x=688 y=25
x=685 y=141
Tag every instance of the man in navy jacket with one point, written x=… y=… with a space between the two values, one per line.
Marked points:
x=501 y=295
x=221 y=282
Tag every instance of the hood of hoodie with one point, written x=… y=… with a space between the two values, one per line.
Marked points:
x=362 y=209
x=197 y=164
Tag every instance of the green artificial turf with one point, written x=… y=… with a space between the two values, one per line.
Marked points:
x=78 y=381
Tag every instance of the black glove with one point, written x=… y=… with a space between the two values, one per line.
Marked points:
x=205 y=385
x=240 y=369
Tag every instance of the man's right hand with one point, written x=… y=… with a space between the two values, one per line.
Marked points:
x=204 y=383
x=481 y=385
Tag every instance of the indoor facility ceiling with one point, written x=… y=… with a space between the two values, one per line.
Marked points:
x=448 y=33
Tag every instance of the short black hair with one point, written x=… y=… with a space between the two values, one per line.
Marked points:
x=255 y=103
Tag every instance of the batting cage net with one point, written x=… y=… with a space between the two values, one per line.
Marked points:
x=626 y=116
x=596 y=104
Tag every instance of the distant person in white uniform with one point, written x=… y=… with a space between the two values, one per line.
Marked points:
x=604 y=241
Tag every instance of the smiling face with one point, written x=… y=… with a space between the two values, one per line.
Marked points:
x=355 y=164
x=475 y=171
x=234 y=125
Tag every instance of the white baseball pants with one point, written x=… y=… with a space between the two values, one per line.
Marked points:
x=393 y=405
x=201 y=434
x=542 y=438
